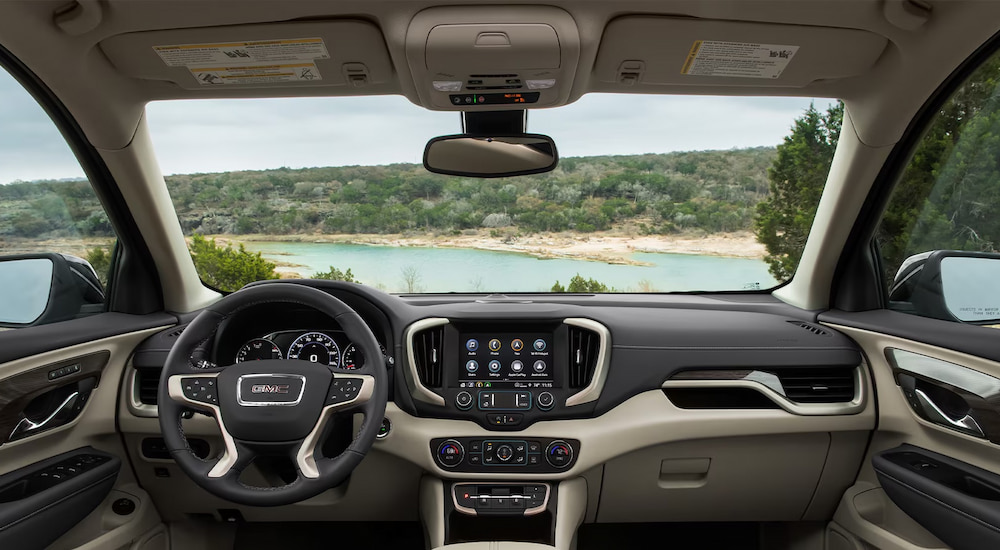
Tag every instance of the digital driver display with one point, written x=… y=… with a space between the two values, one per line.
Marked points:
x=506 y=357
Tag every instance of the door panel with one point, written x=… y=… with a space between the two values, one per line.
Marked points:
x=29 y=396
x=958 y=385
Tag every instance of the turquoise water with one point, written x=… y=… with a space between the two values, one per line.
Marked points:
x=464 y=270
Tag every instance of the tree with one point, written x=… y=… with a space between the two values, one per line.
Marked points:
x=411 y=278
x=100 y=260
x=796 y=180
x=228 y=268
x=578 y=284
x=335 y=274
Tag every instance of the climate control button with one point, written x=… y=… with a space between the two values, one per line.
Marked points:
x=463 y=400
x=450 y=453
x=559 y=454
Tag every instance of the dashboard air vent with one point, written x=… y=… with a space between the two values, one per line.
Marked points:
x=176 y=332
x=815 y=329
x=819 y=385
x=584 y=346
x=428 y=355
x=148 y=384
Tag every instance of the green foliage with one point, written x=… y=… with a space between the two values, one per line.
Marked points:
x=335 y=274
x=227 y=268
x=578 y=284
x=797 y=177
x=100 y=260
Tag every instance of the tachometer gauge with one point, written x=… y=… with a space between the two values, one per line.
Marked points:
x=257 y=349
x=354 y=358
x=315 y=347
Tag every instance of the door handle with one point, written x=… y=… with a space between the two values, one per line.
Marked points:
x=967 y=424
x=26 y=426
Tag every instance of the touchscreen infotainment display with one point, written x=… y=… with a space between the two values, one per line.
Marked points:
x=506 y=357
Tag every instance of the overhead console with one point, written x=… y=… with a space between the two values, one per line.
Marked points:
x=492 y=57
x=507 y=375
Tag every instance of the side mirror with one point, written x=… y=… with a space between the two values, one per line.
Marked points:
x=491 y=157
x=949 y=284
x=37 y=289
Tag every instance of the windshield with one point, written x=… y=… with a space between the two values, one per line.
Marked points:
x=651 y=194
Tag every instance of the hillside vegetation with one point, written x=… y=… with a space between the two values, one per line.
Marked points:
x=714 y=191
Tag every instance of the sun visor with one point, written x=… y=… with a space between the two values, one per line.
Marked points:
x=321 y=54
x=642 y=52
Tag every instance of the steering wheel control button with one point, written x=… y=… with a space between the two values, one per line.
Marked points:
x=201 y=390
x=559 y=454
x=343 y=390
x=494 y=366
x=472 y=365
x=463 y=400
x=545 y=400
x=450 y=453
x=539 y=345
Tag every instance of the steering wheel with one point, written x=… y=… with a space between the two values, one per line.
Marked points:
x=271 y=406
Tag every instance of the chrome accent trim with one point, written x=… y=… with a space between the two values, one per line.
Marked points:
x=135 y=406
x=527 y=511
x=228 y=458
x=305 y=457
x=758 y=384
x=966 y=424
x=25 y=426
x=421 y=392
x=953 y=374
x=593 y=391
x=246 y=403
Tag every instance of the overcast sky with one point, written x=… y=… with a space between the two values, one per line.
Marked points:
x=221 y=135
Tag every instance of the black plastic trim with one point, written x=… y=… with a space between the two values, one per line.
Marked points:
x=136 y=289
x=871 y=212
x=974 y=340
x=16 y=344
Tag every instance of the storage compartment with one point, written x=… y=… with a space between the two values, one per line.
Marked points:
x=463 y=528
x=491 y=49
x=726 y=479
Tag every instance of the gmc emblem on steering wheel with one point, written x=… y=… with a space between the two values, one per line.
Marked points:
x=270 y=390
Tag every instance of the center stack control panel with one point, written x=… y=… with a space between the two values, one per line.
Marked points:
x=505 y=455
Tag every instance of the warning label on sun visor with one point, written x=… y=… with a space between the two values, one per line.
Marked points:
x=737 y=59
x=256 y=74
x=259 y=62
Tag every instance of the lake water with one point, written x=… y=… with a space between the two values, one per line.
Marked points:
x=465 y=270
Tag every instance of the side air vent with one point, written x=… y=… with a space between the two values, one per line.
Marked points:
x=428 y=355
x=815 y=329
x=822 y=385
x=147 y=383
x=584 y=346
x=175 y=333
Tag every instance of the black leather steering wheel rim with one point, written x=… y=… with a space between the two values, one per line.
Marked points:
x=315 y=473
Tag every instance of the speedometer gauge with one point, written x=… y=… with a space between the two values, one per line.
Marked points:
x=315 y=347
x=258 y=349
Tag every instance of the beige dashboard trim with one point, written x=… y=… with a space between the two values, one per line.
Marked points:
x=644 y=420
x=803 y=409
x=593 y=390
x=421 y=392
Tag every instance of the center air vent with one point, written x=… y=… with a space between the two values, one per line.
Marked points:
x=147 y=383
x=815 y=329
x=584 y=346
x=428 y=355
x=821 y=385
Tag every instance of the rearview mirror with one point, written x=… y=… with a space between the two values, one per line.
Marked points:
x=949 y=284
x=36 y=289
x=491 y=157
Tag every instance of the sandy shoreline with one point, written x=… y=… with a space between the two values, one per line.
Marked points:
x=608 y=247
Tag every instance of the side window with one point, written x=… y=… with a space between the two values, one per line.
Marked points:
x=940 y=233
x=56 y=241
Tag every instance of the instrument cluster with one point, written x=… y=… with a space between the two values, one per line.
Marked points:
x=324 y=347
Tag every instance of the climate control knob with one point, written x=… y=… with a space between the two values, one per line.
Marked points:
x=450 y=453
x=559 y=454
x=505 y=453
x=463 y=400
x=545 y=400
